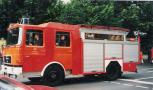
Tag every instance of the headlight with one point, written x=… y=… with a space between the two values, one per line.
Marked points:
x=7 y=59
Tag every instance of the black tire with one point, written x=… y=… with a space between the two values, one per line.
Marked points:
x=35 y=79
x=120 y=75
x=88 y=76
x=113 y=72
x=53 y=76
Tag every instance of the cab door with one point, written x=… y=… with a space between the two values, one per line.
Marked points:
x=63 y=48
x=34 y=51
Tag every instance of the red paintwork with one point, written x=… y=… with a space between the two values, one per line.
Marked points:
x=34 y=59
x=49 y=52
x=23 y=86
x=140 y=55
x=130 y=67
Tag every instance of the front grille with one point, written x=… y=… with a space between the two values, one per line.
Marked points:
x=7 y=59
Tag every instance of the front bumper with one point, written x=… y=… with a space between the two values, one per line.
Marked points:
x=12 y=70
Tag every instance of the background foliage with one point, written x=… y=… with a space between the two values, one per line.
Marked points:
x=136 y=15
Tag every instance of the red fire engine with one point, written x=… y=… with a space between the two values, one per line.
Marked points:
x=56 y=51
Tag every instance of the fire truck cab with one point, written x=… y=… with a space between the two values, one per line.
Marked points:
x=55 y=51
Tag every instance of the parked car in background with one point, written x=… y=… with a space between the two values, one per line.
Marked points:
x=7 y=83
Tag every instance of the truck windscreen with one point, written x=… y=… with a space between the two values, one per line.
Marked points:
x=13 y=37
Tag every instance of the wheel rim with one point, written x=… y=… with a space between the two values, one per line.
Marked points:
x=53 y=76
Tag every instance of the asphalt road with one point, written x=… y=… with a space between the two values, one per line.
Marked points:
x=143 y=80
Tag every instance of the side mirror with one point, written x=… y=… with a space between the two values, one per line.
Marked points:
x=3 y=46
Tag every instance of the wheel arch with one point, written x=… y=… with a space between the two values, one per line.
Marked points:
x=114 y=63
x=108 y=62
x=113 y=71
x=51 y=64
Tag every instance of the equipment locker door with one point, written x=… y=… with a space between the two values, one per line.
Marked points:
x=93 y=57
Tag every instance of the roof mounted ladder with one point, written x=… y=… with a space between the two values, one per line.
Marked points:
x=25 y=21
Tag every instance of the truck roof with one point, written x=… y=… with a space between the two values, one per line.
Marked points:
x=60 y=26
x=92 y=27
x=70 y=27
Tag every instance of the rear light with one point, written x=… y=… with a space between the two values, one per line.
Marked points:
x=7 y=59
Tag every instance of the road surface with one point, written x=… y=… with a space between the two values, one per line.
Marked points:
x=143 y=80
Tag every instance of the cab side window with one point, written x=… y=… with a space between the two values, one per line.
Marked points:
x=63 y=39
x=34 y=38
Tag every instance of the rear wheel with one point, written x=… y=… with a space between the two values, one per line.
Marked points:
x=54 y=75
x=113 y=71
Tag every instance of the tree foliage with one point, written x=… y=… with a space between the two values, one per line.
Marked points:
x=128 y=14
x=88 y=12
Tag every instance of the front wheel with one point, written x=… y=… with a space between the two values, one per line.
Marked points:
x=54 y=75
